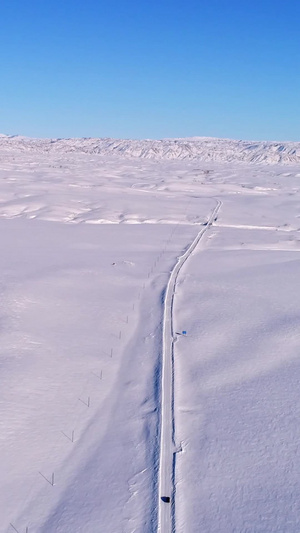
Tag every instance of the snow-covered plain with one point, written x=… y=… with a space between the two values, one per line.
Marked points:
x=88 y=241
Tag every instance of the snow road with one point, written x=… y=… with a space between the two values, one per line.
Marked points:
x=166 y=503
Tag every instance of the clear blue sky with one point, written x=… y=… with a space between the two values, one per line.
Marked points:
x=150 y=68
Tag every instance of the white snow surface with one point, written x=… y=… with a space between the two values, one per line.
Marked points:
x=88 y=241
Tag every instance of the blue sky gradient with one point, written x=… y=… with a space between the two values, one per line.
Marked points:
x=150 y=69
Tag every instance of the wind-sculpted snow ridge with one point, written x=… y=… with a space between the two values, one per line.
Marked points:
x=194 y=148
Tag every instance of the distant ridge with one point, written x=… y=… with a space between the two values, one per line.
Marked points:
x=193 y=148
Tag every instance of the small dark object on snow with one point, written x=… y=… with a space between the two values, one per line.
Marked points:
x=166 y=499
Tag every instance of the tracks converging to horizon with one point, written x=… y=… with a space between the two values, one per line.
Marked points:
x=168 y=448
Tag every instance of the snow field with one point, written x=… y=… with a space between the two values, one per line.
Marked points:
x=237 y=386
x=88 y=243
x=79 y=355
x=80 y=189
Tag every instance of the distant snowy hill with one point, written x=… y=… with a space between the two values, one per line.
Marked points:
x=194 y=148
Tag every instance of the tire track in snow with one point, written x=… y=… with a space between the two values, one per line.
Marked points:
x=166 y=473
